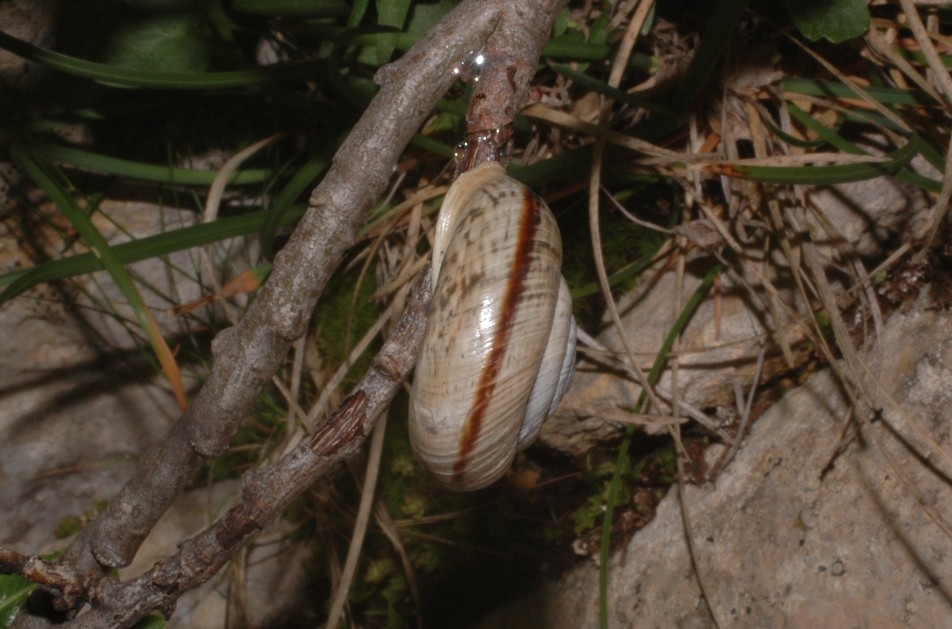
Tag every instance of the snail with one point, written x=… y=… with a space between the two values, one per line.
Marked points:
x=499 y=348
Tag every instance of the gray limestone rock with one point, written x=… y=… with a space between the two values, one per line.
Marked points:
x=782 y=545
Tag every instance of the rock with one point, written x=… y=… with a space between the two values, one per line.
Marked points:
x=871 y=214
x=79 y=403
x=782 y=545
x=31 y=21
x=71 y=421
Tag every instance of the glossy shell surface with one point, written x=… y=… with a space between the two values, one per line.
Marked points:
x=493 y=364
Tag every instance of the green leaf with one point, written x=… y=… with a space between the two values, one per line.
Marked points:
x=14 y=591
x=160 y=43
x=719 y=32
x=424 y=16
x=561 y=23
x=380 y=569
x=357 y=11
x=293 y=8
x=835 y=20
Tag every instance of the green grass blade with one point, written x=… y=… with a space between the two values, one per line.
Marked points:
x=105 y=164
x=834 y=139
x=823 y=175
x=715 y=41
x=127 y=77
x=303 y=178
x=434 y=146
x=350 y=90
x=357 y=11
x=101 y=249
x=566 y=47
x=570 y=165
x=571 y=46
x=885 y=95
x=142 y=249
x=390 y=14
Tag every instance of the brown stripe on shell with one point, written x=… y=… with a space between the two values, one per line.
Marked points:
x=488 y=379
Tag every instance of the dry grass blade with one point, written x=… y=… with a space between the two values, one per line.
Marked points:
x=675 y=432
x=332 y=386
x=689 y=538
x=743 y=409
x=878 y=43
x=389 y=529
x=864 y=388
x=297 y=368
x=621 y=60
x=939 y=72
x=611 y=360
x=941 y=75
x=545 y=113
x=360 y=524
x=213 y=201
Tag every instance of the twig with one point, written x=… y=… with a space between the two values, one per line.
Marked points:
x=267 y=491
x=70 y=588
x=511 y=55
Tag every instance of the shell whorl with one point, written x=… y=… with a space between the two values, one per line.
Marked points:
x=479 y=393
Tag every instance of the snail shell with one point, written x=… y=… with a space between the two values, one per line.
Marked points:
x=499 y=348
